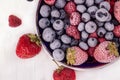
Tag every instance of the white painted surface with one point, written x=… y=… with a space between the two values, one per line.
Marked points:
x=40 y=67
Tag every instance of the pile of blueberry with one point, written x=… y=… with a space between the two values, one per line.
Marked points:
x=96 y=24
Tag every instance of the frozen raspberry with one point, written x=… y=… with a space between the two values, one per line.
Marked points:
x=14 y=21
x=93 y=35
x=50 y=2
x=76 y=56
x=75 y=18
x=106 y=52
x=101 y=40
x=116 y=31
x=73 y=32
x=70 y=7
x=91 y=51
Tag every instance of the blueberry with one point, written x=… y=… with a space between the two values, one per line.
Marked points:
x=60 y=3
x=58 y=54
x=83 y=45
x=92 y=10
x=55 y=44
x=90 y=27
x=109 y=26
x=62 y=14
x=65 y=39
x=98 y=1
x=44 y=22
x=81 y=26
x=48 y=34
x=84 y=35
x=45 y=10
x=109 y=36
x=74 y=42
x=81 y=8
x=55 y=13
x=105 y=4
x=58 y=24
x=89 y=3
x=79 y=1
x=92 y=42
x=85 y=17
x=109 y=18
x=115 y=22
x=102 y=15
x=64 y=47
x=100 y=24
x=101 y=32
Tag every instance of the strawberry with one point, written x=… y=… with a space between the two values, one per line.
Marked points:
x=76 y=56
x=28 y=46
x=50 y=2
x=14 y=21
x=93 y=35
x=73 y=32
x=70 y=7
x=116 y=31
x=63 y=73
x=75 y=18
x=117 y=10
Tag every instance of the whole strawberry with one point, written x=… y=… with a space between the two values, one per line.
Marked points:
x=73 y=32
x=76 y=56
x=106 y=52
x=50 y=2
x=70 y=7
x=117 y=10
x=116 y=31
x=75 y=18
x=28 y=46
x=63 y=73
x=14 y=21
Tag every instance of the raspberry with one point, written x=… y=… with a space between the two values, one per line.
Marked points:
x=116 y=31
x=70 y=7
x=91 y=51
x=101 y=40
x=93 y=35
x=73 y=32
x=14 y=21
x=50 y=2
x=75 y=18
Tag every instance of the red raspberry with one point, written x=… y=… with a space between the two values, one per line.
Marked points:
x=112 y=3
x=73 y=32
x=50 y=2
x=93 y=35
x=70 y=7
x=116 y=31
x=101 y=40
x=75 y=18
x=14 y=21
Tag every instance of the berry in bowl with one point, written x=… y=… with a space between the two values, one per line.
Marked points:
x=80 y=34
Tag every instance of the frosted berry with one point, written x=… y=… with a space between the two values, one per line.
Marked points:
x=45 y=10
x=58 y=24
x=44 y=22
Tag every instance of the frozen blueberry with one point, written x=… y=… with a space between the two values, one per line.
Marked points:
x=92 y=10
x=62 y=14
x=102 y=15
x=55 y=44
x=89 y=3
x=48 y=34
x=79 y=1
x=84 y=35
x=58 y=54
x=98 y=1
x=100 y=24
x=109 y=36
x=109 y=26
x=85 y=17
x=115 y=22
x=83 y=45
x=60 y=3
x=45 y=10
x=109 y=18
x=90 y=27
x=55 y=13
x=65 y=39
x=64 y=47
x=58 y=24
x=44 y=22
x=101 y=32
x=60 y=32
x=81 y=8
x=74 y=42
x=92 y=42
x=81 y=26
x=105 y=4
